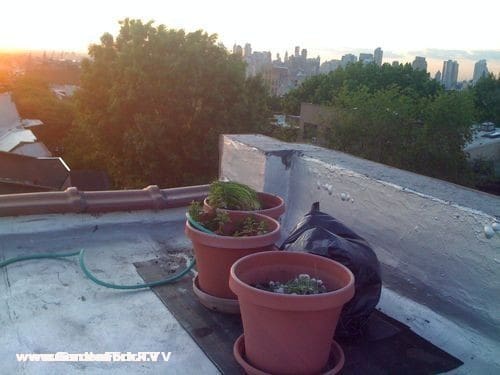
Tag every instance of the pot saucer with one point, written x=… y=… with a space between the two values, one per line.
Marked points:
x=223 y=305
x=335 y=362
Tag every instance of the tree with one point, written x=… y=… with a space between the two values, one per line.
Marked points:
x=325 y=88
x=487 y=99
x=391 y=126
x=154 y=101
x=34 y=99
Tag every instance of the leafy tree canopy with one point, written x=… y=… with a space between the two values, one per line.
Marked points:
x=153 y=102
x=487 y=99
x=325 y=88
x=425 y=135
x=35 y=100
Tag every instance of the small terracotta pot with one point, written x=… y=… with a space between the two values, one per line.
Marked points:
x=216 y=254
x=289 y=334
x=274 y=206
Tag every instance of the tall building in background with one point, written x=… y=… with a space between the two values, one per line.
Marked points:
x=248 y=50
x=297 y=51
x=437 y=76
x=303 y=54
x=480 y=70
x=395 y=63
x=237 y=50
x=377 y=56
x=366 y=58
x=450 y=74
x=419 y=63
x=348 y=59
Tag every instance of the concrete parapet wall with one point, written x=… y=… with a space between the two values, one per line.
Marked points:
x=428 y=234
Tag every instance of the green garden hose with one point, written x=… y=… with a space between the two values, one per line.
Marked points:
x=87 y=272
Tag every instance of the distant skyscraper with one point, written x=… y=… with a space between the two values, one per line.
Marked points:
x=248 y=50
x=450 y=74
x=303 y=54
x=297 y=51
x=366 y=58
x=286 y=56
x=377 y=56
x=347 y=59
x=237 y=50
x=480 y=70
x=395 y=63
x=419 y=63
x=437 y=77
x=329 y=66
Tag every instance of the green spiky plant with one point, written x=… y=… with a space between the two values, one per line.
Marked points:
x=231 y=195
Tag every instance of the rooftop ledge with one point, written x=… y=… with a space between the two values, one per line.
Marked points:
x=441 y=273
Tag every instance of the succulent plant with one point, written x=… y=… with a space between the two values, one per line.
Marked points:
x=303 y=284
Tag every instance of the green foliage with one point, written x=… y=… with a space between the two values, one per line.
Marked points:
x=288 y=134
x=425 y=135
x=487 y=99
x=250 y=226
x=325 y=88
x=300 y=285
x=195 y=210
x=35 y=100
x=233 y=196
x=154 y=101
x=484 y=172
x=215 y=221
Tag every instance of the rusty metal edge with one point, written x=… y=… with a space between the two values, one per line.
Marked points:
x=72 y=200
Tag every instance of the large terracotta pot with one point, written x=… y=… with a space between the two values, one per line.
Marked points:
x=289 y=334
x=273 y=205
x=216 y=254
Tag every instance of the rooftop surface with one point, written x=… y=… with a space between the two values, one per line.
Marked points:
x=49 y=306
x=440 y=272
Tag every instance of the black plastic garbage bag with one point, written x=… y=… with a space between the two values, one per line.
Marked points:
x=321 y=234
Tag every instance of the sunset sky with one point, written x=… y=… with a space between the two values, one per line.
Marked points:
x=439 y=30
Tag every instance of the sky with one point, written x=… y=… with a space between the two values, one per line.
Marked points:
x=439 y=30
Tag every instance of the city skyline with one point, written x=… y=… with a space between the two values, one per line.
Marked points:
x=433 y=58
x=325 y=29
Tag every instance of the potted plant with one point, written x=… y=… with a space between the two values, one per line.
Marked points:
x=290 y=303
x=219 y=239
x=234 y=196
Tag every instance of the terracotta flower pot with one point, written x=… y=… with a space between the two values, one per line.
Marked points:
x=273 y=205
x=289 y=334
x=216 y=254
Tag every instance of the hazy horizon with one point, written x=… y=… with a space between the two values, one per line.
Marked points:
x=435 y=30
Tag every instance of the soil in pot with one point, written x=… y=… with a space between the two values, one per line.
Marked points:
x=289 y=334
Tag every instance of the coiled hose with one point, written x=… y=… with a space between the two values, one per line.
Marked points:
x=89 y=274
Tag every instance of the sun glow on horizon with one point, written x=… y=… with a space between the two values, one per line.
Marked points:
x=56 y=25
